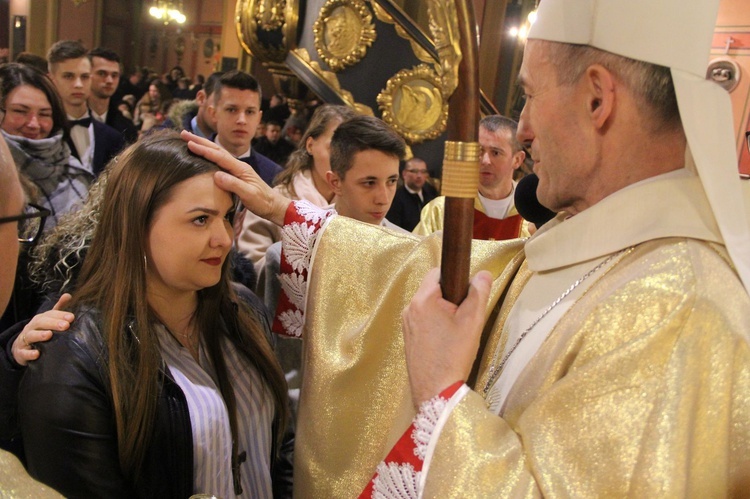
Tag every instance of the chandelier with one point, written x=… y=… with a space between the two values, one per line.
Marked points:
x=168 y=11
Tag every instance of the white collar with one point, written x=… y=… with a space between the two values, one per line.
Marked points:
x=411 y=191
x=245 y=154
x=81 y=117
x=669 y=205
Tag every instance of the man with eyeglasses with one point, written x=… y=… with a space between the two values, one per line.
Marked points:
x=14 y=219
x=412 y=196
x=495 y=214
x=11 y=206
x=20 y=223
x=25 y=223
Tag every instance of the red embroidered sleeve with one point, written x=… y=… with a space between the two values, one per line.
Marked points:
x=302 y=223
x=400 y=474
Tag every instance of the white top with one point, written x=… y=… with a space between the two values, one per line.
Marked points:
x=102 y=118
x=498 y=208
x=412 y=191
x=245 y=154
x=258 y=234
x=209 y=420
x=83 y=139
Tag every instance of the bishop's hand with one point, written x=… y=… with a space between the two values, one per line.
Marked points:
x=240 y=179
x=442 y=339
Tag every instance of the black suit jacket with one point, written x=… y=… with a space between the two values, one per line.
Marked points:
x=264 y=167
x=107 y=143
x=407 y=207
x=127 y=129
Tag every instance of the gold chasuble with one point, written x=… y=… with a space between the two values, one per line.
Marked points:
x=355 y=400
x=659 y=409
x=641 y=387
x=16 y=483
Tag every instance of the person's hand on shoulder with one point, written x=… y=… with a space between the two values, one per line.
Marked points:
x=40 y=328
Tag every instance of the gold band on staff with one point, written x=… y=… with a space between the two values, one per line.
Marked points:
x=460 y=170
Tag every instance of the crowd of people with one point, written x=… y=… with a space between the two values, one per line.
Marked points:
x=210 y=295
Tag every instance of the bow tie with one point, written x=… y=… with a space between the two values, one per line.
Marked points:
x=84 y=122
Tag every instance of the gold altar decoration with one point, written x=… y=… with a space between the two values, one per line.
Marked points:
x=267 y=29
x=444 y=28
x=413 y=104
x=330 y=78
x=270 y=14
x=415 y=101
x=343 y=32
x=419 y=52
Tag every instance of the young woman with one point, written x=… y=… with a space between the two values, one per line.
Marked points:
x=34 y=125
x=152 y=102
x=304 y=178
x=165 y=385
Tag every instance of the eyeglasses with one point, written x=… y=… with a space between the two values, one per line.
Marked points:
x=418 y=172
x=30 y=223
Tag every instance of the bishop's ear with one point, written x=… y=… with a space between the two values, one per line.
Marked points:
x=600 y=87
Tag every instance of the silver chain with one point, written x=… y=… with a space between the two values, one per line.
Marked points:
x=495 y=371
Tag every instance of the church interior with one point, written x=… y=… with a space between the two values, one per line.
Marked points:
x=338 y=51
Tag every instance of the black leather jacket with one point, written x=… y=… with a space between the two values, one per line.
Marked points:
x=69 y=433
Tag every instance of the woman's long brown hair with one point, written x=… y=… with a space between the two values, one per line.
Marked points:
x=113 y=281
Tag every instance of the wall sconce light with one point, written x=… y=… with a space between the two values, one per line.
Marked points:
x=725 y=72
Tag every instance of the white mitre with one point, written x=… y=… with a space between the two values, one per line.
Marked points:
x=676 y=34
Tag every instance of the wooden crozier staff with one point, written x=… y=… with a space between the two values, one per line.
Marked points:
x=461 y=156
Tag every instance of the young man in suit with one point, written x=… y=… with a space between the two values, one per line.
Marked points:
x=411 y=197
x=235 y=110
x=92 y=142
x=105 y=77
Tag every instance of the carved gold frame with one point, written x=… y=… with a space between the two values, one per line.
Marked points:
x=414 y=105
x=344 y=43
x=444 y=28
x=269 y=16
x=331 y=80
x=384 y=17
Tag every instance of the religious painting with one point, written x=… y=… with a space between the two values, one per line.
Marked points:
x=343 y=33
x=413 y=104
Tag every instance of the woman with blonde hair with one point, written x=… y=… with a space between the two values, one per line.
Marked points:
x=303 y=178
x=165 y=384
